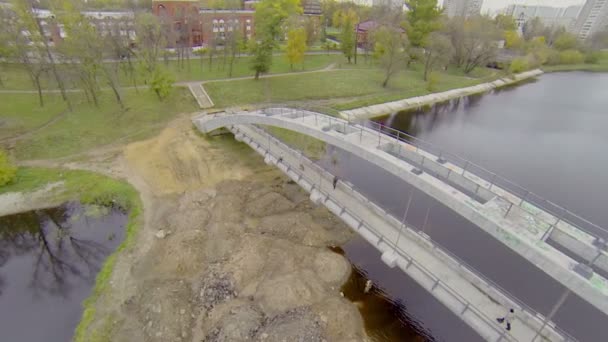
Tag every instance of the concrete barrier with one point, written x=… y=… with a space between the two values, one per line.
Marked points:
x=418 y=101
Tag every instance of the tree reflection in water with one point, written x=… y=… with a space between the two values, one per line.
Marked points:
x=60 y=256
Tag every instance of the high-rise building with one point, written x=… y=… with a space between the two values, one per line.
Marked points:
x=592 y=18
x=549 y=16
x=462 y=8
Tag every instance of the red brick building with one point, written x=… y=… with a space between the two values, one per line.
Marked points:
x=202 y=24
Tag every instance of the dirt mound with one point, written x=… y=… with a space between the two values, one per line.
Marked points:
x=178 y=160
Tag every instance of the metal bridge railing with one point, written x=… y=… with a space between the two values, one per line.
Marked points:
x=327 y=176
x=526 y=199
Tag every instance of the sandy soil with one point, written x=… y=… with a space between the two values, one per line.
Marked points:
x=230 y=250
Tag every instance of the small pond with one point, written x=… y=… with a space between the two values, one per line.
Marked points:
x=49 y=259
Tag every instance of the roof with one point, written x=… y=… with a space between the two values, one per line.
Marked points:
x=311 y=7
x=369 y=25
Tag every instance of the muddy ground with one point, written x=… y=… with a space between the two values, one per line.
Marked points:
x=230 y=250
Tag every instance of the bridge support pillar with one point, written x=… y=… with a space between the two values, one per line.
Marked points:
x=315 y=197
x=389 y=258
x=268 y=159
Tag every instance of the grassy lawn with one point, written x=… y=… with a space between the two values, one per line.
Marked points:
x=88 y=126
x=364 y=83
x=242 y=67
x=14 y=77
x=88 y=188
x=600 y=67
x=21 y=112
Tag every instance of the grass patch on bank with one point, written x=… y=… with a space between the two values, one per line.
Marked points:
x=313 y=148
x=364 y=83
x=600 y=67
x=87 y=126
x=88 y=188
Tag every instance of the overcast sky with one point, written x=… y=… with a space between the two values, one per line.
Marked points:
x=493 y=5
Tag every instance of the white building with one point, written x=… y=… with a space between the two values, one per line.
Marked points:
x=592 y=18
x=549 y=16
x=462 y=8
x=389 y=3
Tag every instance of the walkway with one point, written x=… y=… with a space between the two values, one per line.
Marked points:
x=200 y=95
x=419 y=101
x=467 y=294
x=513 y=220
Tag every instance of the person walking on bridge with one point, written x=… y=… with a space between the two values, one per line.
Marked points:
x=335 y=182
x=509 y=317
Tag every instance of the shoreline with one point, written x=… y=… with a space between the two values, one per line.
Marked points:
x=382 y=109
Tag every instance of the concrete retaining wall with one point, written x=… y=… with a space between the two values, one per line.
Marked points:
x=418 y=101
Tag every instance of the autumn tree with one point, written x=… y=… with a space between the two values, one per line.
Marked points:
x=505 y=22
x=347 y=20
x=296 y=45
x=270 y=16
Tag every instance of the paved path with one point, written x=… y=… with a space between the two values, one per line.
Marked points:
x=419 y=101
x=468 y=295
x=512 y=220
x=202 y=98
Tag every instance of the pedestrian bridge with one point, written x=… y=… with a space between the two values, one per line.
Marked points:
x=512 y=219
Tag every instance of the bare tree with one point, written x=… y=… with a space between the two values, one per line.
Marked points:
x=390 y=46
x=437 y=52
x=18 y=48
x=474 y=41
x=24 y=10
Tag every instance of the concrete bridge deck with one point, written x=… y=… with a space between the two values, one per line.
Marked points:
x=476 y=300
x=523 y=227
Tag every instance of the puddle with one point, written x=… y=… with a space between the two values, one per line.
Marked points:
x=48 y=263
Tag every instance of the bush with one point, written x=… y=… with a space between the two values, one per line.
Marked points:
x=593 y=57
x=433 y=81
x=553 y=58
x=518 y=65
x=571 y=57
x=161 y=83
x=7 y=169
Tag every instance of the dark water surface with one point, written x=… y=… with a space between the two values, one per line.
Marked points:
x=549 y=136
x=48 y=262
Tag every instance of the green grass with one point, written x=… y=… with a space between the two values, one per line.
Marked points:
x=89 y=188
x=21 y=112
x=242 y=67
x=363 y=83
x=87 y=126
x=14 y=76
x=311 y=147
x=600 y=67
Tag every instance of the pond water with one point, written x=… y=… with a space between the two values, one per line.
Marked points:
x=49 y=259
x=548 y=136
